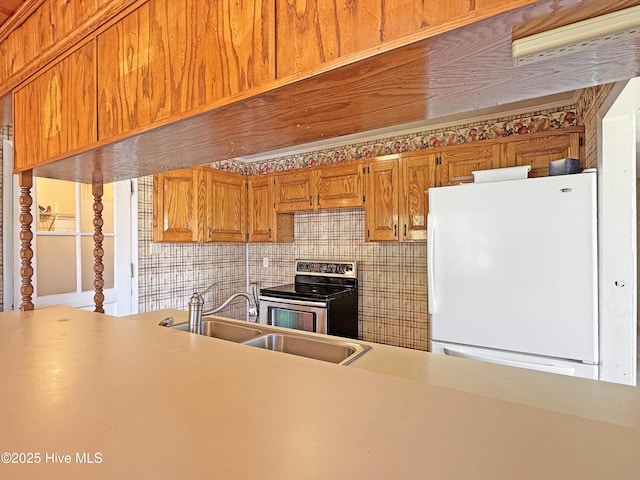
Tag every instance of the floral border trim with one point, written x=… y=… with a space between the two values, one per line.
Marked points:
x=538 y=121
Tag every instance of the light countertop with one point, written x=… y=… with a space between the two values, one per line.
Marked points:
x=155 y=402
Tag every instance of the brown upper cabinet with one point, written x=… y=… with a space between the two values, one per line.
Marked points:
x=203 y=204
x=176 y=197
x=294 y=191
x=167 y=59
x=396 y=203
x=418 y=175
x=330 y=186
x=55 y=113
x=199 y=205
x=381 y=213
x=455 y=164
x=264 y=224
x=312 y=32
x=339 y=186
x=539 y=150
x=226 y=204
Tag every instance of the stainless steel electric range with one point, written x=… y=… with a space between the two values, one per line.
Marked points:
x=322 y=299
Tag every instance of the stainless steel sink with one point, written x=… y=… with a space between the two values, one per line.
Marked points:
x=327 y=349
x=224 y=330
x=342 y=352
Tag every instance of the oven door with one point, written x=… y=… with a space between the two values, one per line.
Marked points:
x=297 y=314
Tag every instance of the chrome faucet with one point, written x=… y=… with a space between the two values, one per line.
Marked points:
x=196 y=304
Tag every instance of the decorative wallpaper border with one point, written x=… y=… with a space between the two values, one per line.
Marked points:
x=537 y=121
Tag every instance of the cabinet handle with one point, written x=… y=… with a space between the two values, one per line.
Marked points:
x=395 y=231
x=318 y=199
x=405 y=229
x=210 y=233
x=310 y=202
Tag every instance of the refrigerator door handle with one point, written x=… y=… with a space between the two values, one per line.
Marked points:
x=542 y=367
x=431 y=240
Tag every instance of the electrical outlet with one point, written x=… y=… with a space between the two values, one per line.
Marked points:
x=265 y=262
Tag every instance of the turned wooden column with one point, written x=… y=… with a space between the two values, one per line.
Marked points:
x=98 y=251
x=25 y=181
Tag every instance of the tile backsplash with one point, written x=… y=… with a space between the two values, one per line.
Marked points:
x=392 y=277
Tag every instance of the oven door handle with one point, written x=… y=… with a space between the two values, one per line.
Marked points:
x=287 y=301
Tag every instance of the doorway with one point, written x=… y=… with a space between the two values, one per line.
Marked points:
x=63 y=245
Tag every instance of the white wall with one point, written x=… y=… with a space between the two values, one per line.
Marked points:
x=617 y=234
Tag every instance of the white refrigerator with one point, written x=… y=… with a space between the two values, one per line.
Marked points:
x=512 y=272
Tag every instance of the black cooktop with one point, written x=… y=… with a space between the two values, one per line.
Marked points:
x=306 y=290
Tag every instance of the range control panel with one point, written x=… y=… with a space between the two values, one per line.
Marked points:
x=326 y=268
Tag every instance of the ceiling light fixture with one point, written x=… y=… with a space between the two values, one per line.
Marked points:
x=576 y=37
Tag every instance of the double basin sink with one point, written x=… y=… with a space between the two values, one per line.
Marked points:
x=329 y=349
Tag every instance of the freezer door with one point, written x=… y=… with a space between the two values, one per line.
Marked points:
x=512 y=265
x=529 y=362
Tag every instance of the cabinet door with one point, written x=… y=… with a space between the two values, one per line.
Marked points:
x=226 y=207
x=260 y=208
x=294 y=191
x=538 y=151
x=171 y=57
x=312 y=32
x=456 y=163
x=418 y=175
x=339 y=186
x=263 y=223
x=55 y=113
x=381 y=202
x=176 y=195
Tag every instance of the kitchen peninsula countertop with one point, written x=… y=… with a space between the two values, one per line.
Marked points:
x=142 y=401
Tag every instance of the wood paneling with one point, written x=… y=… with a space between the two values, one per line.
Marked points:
x=168 y=58
x=312 y=32
x=55 y=113
x=13 y=13
x=428 y=79
x=41 y=30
